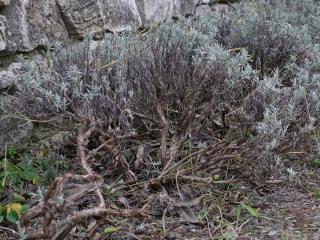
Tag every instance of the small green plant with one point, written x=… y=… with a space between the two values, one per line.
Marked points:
x=317 y=193
x=111 y=230
x=11 y=151
x=252 y=211
x=16 y=173
x=12 y=212
x=316 y=163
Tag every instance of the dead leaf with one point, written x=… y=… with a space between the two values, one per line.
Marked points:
x=125 y=202
x=192 y=203
x=184 y=209
x=142 y=155
x=173 y=236
x=187 y=215
x=139 y=157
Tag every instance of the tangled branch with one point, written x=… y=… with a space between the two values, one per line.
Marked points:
x=61 y=208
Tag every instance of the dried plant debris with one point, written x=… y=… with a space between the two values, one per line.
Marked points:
x=202 y=128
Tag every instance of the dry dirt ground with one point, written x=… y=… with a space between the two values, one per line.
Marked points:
x=285 y=211
x=277 y=208
x=227 y=206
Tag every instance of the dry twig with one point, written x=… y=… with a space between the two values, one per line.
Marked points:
x=58 y=211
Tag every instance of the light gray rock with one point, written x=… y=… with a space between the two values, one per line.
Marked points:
x=221 y=8
x=34 y=23
x=184 y=7
x=6 y=79
x=82 y=16
x=4 y=3
x=12 y=131
x=6 y=46
x=203 y=10
x=97 y=16
x=3 y=33
x=121 y=15
x=28 y=24
x=156 y=11
x=7 y=76
x=204 y=2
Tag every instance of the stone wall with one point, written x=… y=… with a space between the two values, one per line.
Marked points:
x=29 y=24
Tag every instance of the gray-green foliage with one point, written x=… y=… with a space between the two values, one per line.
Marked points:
x=292 y=113
x=270 y=86
x=282 y=38
x=176 y=65
x=274 y=32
